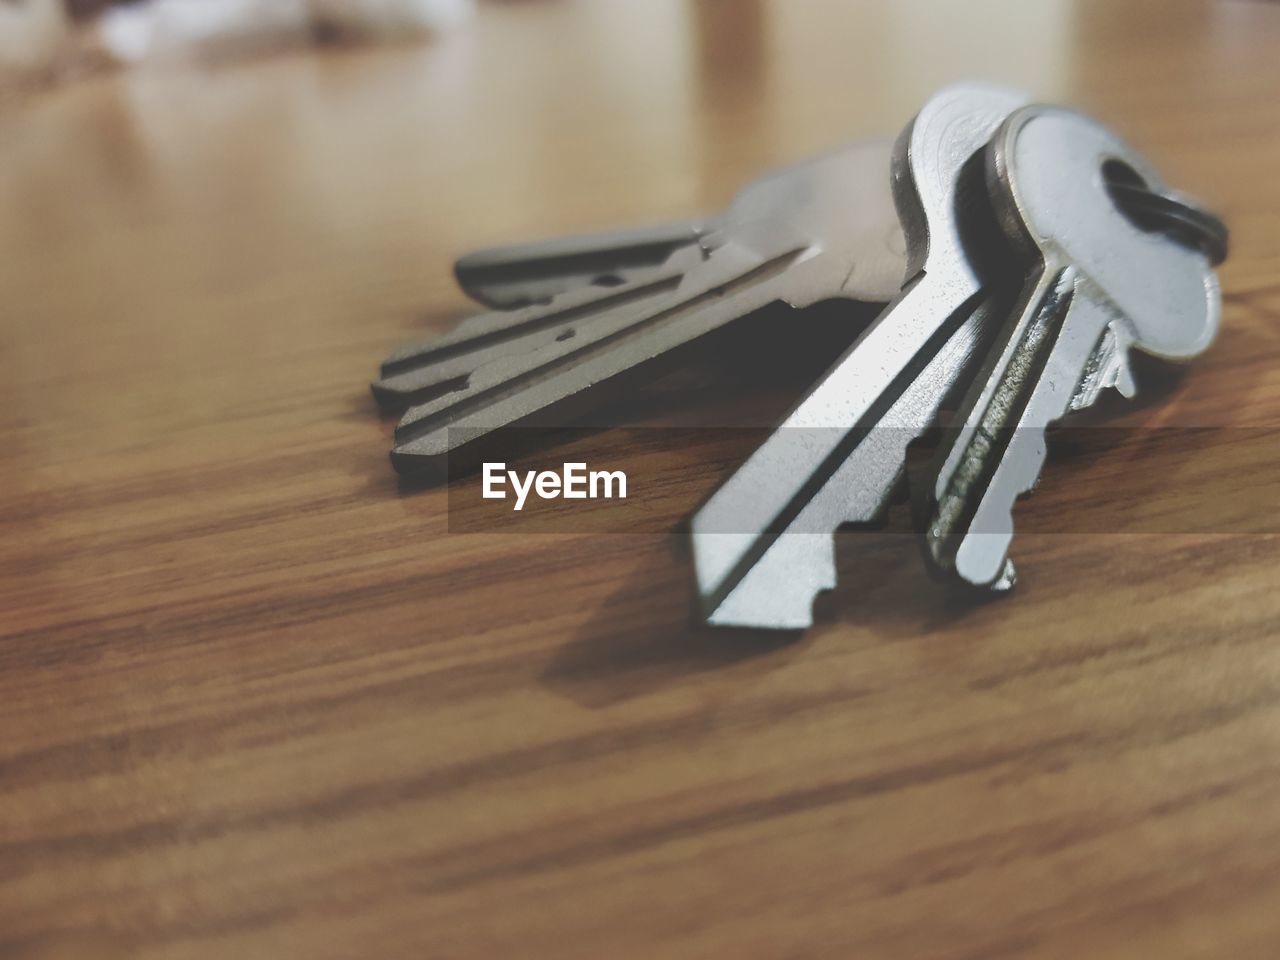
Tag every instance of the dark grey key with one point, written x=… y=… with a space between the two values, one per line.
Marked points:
x=534 y=274
x=821 y=230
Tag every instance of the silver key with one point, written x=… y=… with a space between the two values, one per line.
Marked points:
x=822 y=230
x=763 y=544
x=1098 y=288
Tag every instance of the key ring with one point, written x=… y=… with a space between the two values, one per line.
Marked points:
x=1171 y=215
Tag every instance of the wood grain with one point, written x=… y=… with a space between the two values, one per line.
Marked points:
x=256 y=701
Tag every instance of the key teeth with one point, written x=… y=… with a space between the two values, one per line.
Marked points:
x=410 y=446
x=1111 y=369
x=1124 y=381
x=799 y=618
x=1025 y=483
x=1116 y=375
x=719 y=618
x=808 y=573
x=1108 y=367
x=1007 y=580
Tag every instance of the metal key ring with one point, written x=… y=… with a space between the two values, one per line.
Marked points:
x=1169 y=214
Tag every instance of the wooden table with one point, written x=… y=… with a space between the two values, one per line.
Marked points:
x=257 y=701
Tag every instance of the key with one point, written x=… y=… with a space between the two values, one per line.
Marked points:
x=444 y=364
x=821 y=230
x=763 y=543
x=527 y=274
x=1098 y=287
x=532 y=274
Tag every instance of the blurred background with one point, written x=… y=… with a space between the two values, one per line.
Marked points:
x=334 y=140
x=257 y=701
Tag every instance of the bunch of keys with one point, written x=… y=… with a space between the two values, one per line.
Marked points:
x=1021 y=252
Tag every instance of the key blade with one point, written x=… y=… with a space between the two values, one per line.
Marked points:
x=839 y=206
x=835 y=460
x=518 y=275
x=619 y=339
x=905 y=347
x=445 y=364
x=998 y=454
x=842 y=202
x=773 y=580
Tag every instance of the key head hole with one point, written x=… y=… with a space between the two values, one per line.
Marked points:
x=1122 y=181
x=1161 y=213
x=1118 y=172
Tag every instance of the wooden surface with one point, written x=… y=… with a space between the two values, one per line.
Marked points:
x=256 y=701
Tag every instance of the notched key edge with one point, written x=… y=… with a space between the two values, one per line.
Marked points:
x=410 y=371
x=438 y=427
x=986 y=445
x=519 y=275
